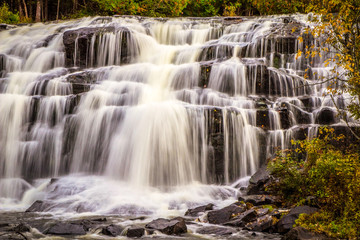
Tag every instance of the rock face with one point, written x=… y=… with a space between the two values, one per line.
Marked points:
x=286 y=223
x=173 y=226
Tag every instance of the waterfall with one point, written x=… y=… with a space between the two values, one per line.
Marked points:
x=151 y=105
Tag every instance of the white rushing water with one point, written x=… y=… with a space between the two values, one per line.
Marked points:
x=144 y=116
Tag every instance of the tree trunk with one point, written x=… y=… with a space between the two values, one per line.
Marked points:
x=38 y=11
x=46 y=15
x=25 y=9
x=21 y=12
x=57 y=11
x=75 y=3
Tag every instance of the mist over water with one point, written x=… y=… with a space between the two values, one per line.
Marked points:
x=150 y=116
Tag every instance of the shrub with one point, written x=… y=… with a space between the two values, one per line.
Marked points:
x=330 y=176
x=6 y=16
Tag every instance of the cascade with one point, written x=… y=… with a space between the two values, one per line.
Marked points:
x=123 y=111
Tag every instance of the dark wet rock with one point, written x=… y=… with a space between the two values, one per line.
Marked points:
x=326 y=116
x=45 y=42
x=216 y=165
x=2 y=63
x=224 y=215
x=66 y=229
x=205 y=70
x=112 y=230
x=216 y=51
x=263 y=119
x=216 y=230
x=99 y=20
x=194 y=212
x=242 y=219
x=261 y=224
x=38 y=206
x=77 y=43
x=285 y=121
x=84 y=77
x=285 y=45
x=258 y=180
x=300 y=233
x=89 y=224
x=3 y=26
x=286 y=222
x=173 y=226
x=80 y=88
x=135 y=232
x=310 y=102
x=258 y=200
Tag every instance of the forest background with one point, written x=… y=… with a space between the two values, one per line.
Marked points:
x=18 y=11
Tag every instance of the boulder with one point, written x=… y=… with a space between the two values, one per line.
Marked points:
x=215 y=230
x=225 y=214
x=287 y=222
x=135 y=232
x=261 y=224
x=300 y=233
x=194 y=212
x=112 y=230
x=173 y=226
x=326 y=116
x=242 y=219
x=66 y=229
